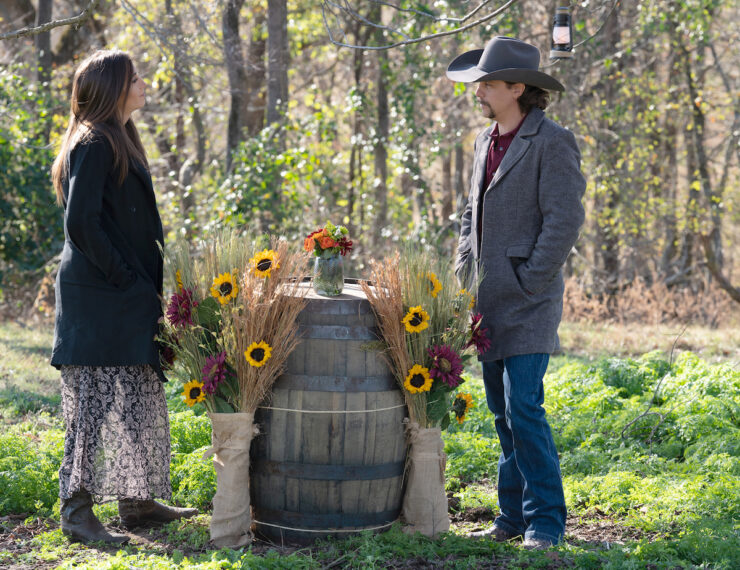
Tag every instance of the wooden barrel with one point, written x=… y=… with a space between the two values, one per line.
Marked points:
x=330 y=456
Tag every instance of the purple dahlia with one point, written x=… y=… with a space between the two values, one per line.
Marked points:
x=214 y=372
x=180 y=309
x=446 y=365
x=479 y=335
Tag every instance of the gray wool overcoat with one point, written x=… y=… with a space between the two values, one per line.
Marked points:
x=531 y=217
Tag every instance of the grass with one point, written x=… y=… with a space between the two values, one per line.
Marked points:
x=600 y=340
x=650 y=454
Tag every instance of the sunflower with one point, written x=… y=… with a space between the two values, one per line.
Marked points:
x=434 y=285
x=416 y=320
x=264 y=262
x=418 y=379
x=224 y=288
x=193 y=393
x=464 y=293
x=258 y=353
x=461 y=405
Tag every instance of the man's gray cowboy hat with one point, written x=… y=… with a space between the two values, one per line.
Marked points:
x=507 y=59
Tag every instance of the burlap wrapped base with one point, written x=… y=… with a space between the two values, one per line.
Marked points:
x=425 y=502
x=232 y=518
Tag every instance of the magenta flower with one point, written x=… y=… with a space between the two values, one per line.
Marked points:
x=446 y=365
x=180 y=309
x=479 y=335
x=214 y=372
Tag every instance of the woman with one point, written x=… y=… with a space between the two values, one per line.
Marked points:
x=117 y=443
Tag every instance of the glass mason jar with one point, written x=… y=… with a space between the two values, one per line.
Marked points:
x=328 y=275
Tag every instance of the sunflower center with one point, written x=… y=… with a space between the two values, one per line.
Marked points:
x=258 y=354
x=416 y=320
x=431 y=285
x=417 y=380
x=264 y=264
x=225 y=288
x=444 y=365
x=194 y=392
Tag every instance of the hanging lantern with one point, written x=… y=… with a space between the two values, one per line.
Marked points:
x=562 y=35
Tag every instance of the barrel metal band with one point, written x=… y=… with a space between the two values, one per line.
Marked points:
x=314 y=472
x=332 y=411
x=329 y=522
x=336 y=383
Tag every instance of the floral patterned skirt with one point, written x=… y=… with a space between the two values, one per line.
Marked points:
x=117 y=443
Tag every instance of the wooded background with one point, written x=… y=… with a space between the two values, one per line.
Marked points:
x=256 y=115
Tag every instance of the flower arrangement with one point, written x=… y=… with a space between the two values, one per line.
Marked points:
x=328 y=241
x=230 y=326
x=230 y=323
x=423 y=318
x=423 y=321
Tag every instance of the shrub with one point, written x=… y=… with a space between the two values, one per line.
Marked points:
x=29 y=466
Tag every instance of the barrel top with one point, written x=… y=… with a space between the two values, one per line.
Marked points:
x=351 y=292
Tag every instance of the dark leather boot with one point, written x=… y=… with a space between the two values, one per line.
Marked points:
x=135 y=512
x=80 y=524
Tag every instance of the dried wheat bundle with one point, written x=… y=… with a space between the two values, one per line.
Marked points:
x=264 y=329
x=386 y=299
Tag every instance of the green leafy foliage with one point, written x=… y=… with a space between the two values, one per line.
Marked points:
x=30 y=221
x=29 y=465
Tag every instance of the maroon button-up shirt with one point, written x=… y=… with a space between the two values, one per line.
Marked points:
x=496 y=151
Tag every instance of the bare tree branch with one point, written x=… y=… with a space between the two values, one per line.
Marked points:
x=34 y=30
x=327 y=6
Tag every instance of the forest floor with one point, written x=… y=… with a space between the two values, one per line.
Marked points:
x=610 y=524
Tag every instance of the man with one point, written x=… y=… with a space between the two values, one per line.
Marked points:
x=521 y=221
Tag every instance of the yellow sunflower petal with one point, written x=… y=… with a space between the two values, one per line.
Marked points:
x=434 y=285
x=264 y=262
x=468 y=403
x=224 y=288
x=416 y=319
x=193 y=393
x=258 y=353
x=418 y=379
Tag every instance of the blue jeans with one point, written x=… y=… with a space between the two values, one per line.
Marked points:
x=530 y=488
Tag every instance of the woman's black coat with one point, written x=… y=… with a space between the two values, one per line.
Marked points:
x=110 y=275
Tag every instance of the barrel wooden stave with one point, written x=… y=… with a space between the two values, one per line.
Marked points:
x=335 y=443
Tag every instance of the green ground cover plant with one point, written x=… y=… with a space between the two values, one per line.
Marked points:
x=650 y=451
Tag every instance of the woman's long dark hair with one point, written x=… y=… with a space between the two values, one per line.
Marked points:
x=99 y=90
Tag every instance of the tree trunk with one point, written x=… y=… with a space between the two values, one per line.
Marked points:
x=277 y=59
x=700 y=153
x=236 y=72
x=460 y=185
x=254 y=119
x=607 y=238
x=447 y=192
x=668 y=170
x=381 y=151
x=43 y=44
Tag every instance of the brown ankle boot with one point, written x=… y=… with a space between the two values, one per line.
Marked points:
x=80 y=524
x=135 y=512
